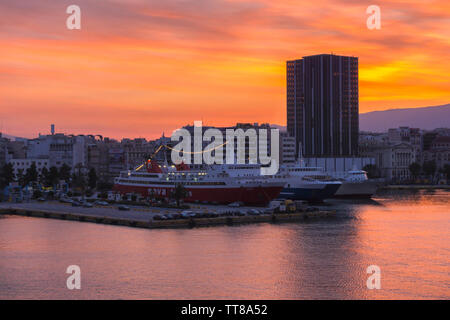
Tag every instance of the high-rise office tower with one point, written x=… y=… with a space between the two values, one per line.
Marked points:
x=323 y=105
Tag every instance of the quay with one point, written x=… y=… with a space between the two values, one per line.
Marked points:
x=143 y=217
x=416 y=186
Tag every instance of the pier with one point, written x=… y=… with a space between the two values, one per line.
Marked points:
x=416 y=187
x=143 y=217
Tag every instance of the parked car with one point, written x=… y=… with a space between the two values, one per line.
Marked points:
x=87 y=205
x=123 y=208
x=187 y=214
x=101 y=203
x=241 y=213
x=254 y=212
x=164 y=217
x=215 y=214
x=41 y=199
x=235 y=204
x=157 y=217
x=203 y=215
x=75 y=203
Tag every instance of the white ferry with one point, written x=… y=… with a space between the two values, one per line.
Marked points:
x=355 y=184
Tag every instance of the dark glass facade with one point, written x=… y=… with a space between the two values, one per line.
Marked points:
x=323 y=104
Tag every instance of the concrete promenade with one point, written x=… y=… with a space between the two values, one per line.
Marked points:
x=143 y=217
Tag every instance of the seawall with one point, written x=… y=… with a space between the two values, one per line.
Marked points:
x=176 y=223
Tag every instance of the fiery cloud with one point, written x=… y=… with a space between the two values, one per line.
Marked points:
x=137 y=68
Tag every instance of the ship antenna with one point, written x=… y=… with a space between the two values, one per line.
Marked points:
x=150 y=158
x=300 y=155
x=165 y=158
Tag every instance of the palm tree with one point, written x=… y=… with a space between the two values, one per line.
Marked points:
x=429 y=168
x=31 y=175
x=64 y=172
x=20 y=177
x=372 y=171
x=78 y=179
x=415 y=168
x=179 y=193
x=92 y=178
x=6 y=175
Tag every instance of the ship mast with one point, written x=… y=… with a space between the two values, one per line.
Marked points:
x=300 y=161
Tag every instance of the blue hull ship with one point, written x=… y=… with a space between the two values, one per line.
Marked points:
x=310 y=192
x=307 y=183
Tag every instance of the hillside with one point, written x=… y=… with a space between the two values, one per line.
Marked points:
x=427 y=118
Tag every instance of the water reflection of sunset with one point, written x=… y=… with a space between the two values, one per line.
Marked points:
x=406 y=236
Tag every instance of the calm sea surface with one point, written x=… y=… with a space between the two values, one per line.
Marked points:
x=407 y=235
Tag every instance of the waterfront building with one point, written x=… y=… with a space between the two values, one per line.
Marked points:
x=164 y=153
x=368 y=141
x=287 y=148
x=17 y=149
x=116 y=160
x=3 y=150
x=97 y=159
x=409 y=135
x=58 y=148
x=393 y=152
x=11 y=149
x=427 y=140
x=393 y=160
x=323 y=104
x=439 y=152
x=429 y=145
x=22 y=165
x=137 y=151
x=247 y=147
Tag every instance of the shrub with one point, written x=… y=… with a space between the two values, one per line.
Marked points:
x=37 y=194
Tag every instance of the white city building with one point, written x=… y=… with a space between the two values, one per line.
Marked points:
x=21 y=165
x=394 y=161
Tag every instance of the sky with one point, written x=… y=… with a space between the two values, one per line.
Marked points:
x=138 y=68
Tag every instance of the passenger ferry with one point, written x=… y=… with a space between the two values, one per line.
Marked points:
x=300 y=183
x=355 y=184
x=220 y=184
x=307 y=183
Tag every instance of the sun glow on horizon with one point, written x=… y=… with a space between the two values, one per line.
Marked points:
x=143 y=67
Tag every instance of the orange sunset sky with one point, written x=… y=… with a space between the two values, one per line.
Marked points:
x=139 y=67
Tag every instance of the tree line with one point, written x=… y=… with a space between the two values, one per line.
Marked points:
x=49 y=177
x=427 y=169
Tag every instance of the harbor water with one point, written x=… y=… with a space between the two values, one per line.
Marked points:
x=405 y=233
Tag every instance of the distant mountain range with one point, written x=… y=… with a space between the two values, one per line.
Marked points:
x=426 y=118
